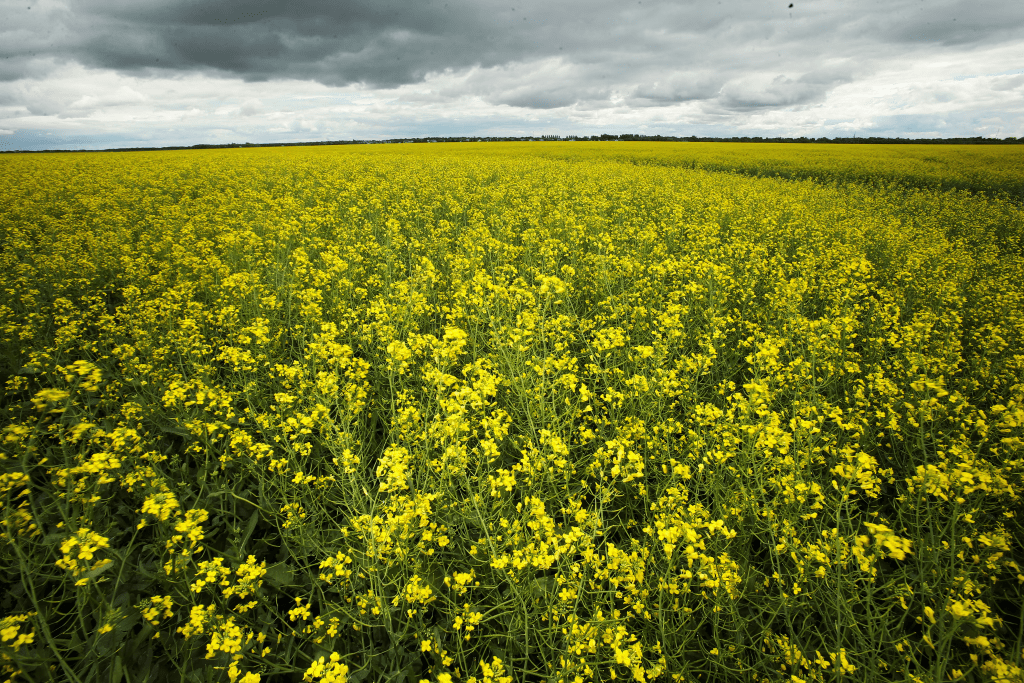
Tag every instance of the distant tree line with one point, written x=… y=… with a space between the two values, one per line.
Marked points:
x=627 y=137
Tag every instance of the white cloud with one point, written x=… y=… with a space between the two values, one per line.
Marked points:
x=676 y=68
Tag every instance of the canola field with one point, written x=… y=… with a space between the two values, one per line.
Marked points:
x=996 y=171
x=504 y=413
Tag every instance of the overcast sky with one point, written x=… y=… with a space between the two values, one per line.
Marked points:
x=85 y=74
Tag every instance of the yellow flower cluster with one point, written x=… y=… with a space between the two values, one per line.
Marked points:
x=329 y=670
x=16 y=631
x=11 y=633
x=78 y=550
x=151 y=611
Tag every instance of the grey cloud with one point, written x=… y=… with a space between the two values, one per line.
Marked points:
x=679 y=87
x=543 y=84
x=950 y=22
x=740 y=55
x=779 y=92
x=537 y=99
x=380 y=44
x=762 y=92
x=1008 y=82
x=25 y=67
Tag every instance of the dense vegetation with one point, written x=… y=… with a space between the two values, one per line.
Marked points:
x=520 y=412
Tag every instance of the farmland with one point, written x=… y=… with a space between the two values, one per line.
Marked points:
x=495 y=413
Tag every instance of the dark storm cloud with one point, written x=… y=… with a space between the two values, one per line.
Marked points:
x=735 y=55
x=376 y=43
x=379 y=44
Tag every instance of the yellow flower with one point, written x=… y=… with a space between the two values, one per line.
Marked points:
x=329 y=671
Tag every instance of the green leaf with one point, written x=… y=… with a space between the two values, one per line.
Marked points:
x=544 y=586
x=172 y=428
x=123 y=599
x=145 y=634
x=54 y=538
x=146 y=570
x=279 y=575
x=320 y=651
x=118 y=670
x=434 y=576
x=142 y=664
x=92 y=574
x=497 y=651
x=359 y=675
x=125 y=625
x=249 y=528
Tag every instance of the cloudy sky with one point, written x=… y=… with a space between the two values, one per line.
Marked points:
x=92 y=74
